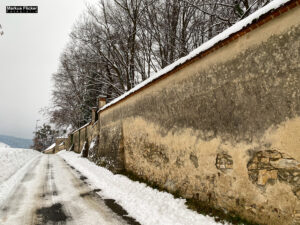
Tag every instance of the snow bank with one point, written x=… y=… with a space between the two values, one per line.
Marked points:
x=146 y=205
x=205 y=46
x=2 y=145
x=12 y=159
x=13 y=164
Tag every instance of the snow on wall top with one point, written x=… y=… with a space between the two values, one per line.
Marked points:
x=62 y=137
x=205 y=46
x=81 y=127
x=51 y=146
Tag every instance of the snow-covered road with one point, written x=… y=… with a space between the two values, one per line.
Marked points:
x=53 y=192
x=67 y=189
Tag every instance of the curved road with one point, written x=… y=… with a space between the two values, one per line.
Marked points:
x=53 y=192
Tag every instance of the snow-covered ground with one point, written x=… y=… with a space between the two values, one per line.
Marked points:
x=12 y=159
x=26 y=174
x=147 y=205
x=13 y=163
x=2 y=145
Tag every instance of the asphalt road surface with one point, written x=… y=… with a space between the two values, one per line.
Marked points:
x=53 y=192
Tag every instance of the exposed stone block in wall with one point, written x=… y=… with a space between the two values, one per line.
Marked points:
x=224 y=161
x=266 y=167
x=265 y=176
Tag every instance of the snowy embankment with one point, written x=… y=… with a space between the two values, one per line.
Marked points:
x=13 y=166
x=145 y=204
x=2 y=145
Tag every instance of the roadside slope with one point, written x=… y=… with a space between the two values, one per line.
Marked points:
x=13 y=164
x=12 y=159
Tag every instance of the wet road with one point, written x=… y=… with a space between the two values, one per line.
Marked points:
x=53 y=192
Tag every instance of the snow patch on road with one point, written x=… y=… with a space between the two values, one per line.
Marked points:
x=145 y=204
x=14 y=163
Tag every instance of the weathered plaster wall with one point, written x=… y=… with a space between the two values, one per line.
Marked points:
x=69 y=142
x=82 y=138
x=87 y=135
x=76 y=141
x=111 y=149
x=50 y=151
x=59 y=144
x=92 y=132
x=92 y=140
x=225 y=129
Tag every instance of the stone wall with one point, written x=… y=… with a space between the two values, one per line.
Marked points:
x=69 y=142
x=83 y=137
x=50 y=151
x=76 y=141
x=92 y=132
x=110 y=148
x=59 y=144
x=224 y=129
x=92 y=139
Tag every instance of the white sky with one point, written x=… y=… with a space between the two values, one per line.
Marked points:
x=29 y=54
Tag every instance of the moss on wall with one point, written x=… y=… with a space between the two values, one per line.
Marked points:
x=238 y=99
x=111 y=149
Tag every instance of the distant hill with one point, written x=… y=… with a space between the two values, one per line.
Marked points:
x=15 y=142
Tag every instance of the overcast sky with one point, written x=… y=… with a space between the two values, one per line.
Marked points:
x=29 y=54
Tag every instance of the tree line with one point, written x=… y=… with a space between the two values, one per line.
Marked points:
x=116 y=44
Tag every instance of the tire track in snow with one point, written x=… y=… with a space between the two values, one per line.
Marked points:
x=53 y=193
x=12 y=208
x=95 y=195
x=47 y=211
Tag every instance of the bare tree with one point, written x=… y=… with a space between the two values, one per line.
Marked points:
x=117 y=44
